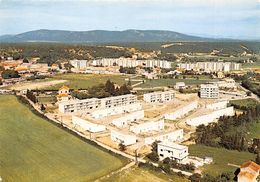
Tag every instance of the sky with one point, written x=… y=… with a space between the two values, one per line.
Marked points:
x=208 y=18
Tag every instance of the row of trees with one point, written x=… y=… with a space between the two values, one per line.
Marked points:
x=103 y=90
x=127 y=70
x=6 y=74
x=229 y=132
x=30 y=95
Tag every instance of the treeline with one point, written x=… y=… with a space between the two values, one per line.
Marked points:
x=127 y=70
x=230 y=132
x=52 y=52
x=251 y=86
x=103 y=90
x=6 y=74
x=30 y=95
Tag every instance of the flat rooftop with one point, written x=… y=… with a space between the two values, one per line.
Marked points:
x=173 y=145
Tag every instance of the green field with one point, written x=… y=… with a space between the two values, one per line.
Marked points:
x=244 y=102
x=221 y=158
x=172 y=82
x=32 y=149
x=254 y=130
x=84 y=81
x=141 y=174
x=46 y=99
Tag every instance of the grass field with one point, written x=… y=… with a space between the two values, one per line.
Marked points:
x=172 y=82
x=136 y=174
x=244 y=102
x=254 y=130
x=84 y=81
x=32 y=149
x=46 y=99
x=221 y=158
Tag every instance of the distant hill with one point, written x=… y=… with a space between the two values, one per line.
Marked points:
x=99 y=36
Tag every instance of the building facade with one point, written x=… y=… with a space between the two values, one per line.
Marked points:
x=209 y=91
x=123 y=138
x=159 y=96
x=88 y=126
x=147 y=126
x=128 y=62
x=85 y=105
x=211 y=66
x=128 y=118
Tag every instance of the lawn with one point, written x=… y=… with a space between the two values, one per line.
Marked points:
x=221 y=158
x=172 y=82
x=84 y=81
x=32 y=149
x=141 y=174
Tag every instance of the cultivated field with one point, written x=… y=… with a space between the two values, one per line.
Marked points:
x=171 y=82
x=84 y=81
x=32 y=149
x=221 y=158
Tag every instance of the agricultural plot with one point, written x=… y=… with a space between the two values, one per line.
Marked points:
x=32 y=149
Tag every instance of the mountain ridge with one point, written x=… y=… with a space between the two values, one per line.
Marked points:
x=100 y=36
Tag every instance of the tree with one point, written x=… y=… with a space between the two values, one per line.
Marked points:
x=195 y=177
x=122 y=147
x=110 y=87
x=10 y=74
x=257 y=160
x=25 y=60
x=42 y=107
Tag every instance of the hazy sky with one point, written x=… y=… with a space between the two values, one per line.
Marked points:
x=217 y=18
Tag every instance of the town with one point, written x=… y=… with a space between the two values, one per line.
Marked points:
x=130 y=112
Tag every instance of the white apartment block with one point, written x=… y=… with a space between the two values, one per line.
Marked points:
x=144 y=127
x=79 y=64
x=128 y=62
x=217 y=105
x=159 y=96
x=123 y=138
x=88 y=126
x=209 y=91
x=172 y=150
x=128 y=118
x=211 y=66
x=179 y=113
x=87 y=105
x=172 y=136
x=209 y=118
x=101 y=113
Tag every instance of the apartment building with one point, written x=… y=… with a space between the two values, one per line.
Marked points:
x=128 y=62
x=180 y=112
x=172 y=136
x=124 y=138
x=143 y=126
x=211 y=66
x=79 y=64
x=172 y=150
x=87 y=105
x=211 y=117
x=209 y=91
x=128 y=118
x=88 y=126
x=159 y=96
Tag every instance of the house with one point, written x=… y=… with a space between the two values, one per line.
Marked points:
x=180 y=85
x=172 y=150
x=63 y=93
x=248 y=172
x=143 y=126
x=128 y=118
